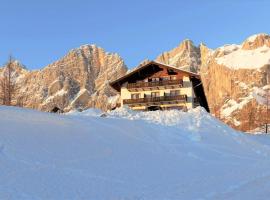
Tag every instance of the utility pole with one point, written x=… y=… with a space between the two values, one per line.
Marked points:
x=267 y=121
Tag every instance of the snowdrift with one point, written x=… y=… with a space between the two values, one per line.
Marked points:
x=129 y=155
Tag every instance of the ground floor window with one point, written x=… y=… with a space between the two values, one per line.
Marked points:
x=153 y=108
x=135 y=96
x=183 y=108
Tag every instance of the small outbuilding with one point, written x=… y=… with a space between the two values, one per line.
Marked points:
x=56 y=110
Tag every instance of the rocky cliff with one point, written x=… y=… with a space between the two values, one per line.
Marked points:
x=186 y=56
x=235 y=78
x=237 y=82
x=78 y=80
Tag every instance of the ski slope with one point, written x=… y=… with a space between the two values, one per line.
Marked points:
x=129 y=156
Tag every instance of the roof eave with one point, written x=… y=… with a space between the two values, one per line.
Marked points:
x=145 y=65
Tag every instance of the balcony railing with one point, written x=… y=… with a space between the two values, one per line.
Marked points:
x=162 y=99
x=154 y=84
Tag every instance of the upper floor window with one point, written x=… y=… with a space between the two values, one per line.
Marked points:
x=173 y=77
x=171 y=72
x=154 y=94
x=135 y=96
x=174 y=92
x=156 y=79
x=165 y=78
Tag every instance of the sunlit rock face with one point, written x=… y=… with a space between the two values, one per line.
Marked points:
x=236 y=81
x=77 y=81
x=186 y=55
x=235 y=78
x=256 y=41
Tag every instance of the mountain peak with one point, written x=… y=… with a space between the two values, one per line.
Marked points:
x=185 y=55
x=16 y=65
x=87 y=49
x=187 y=40
x=252 y=38
x=187 y=44
x=256 y=41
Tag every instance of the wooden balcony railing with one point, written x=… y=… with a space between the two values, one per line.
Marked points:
x=154 y=84
x=178 y=98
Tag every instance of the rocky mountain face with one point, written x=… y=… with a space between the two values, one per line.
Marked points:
x=237 y=82
x=79 y=80
x=235 y=78
x=186 y=56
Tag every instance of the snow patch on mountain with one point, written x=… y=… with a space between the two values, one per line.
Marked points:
x=231 y=106
x=261 y=95
x=255 y=36
x=61 y=92
x=245 y=59
x=228 y=48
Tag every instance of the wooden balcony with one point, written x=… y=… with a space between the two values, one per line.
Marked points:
x=166 y=84
x=156 y=100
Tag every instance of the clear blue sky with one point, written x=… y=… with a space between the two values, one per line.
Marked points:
x=39 y=32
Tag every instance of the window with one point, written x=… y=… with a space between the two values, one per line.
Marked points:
x=173 y=77
x=166 y=78
x=154 y=94
x=135 y=96
x=174 y=92
x=167 y=94
x=155 y=79
x=171 y=72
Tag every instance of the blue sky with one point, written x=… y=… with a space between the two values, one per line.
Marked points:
x=39 y=32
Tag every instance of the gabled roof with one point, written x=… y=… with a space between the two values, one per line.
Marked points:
x=143 y=66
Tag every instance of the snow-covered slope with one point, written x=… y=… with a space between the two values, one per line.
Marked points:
x=129 y=155
x=253 y=53
x=246 y=59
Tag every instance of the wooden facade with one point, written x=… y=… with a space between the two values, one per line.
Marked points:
x=159 y=86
